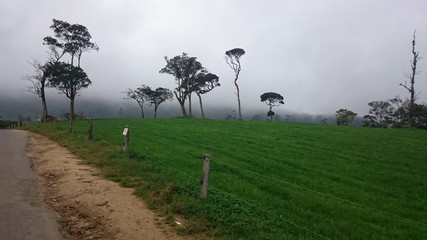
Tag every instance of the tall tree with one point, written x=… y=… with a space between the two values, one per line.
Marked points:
x=205 y=83
x=344 y=117
x=411 y=77
x=233 y=60
x=272 y=99
x=73 y=39
x=184 y=69
x=69 y=80
x=38 y=85
x=139 y=95
x=158 y=96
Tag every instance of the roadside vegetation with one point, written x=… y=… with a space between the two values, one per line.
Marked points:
x=268 y=180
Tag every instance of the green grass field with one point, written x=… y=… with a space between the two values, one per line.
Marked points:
x=268 y=180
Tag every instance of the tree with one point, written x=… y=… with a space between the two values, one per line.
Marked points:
x=205 y=83
x=380 y=115
x=139 y=95
x=73 y=39
x=38 y=85
x=272 y=99
x=344 y=117
x=159 y=96
x=69 y=80
x=233 y=60
x=411 y=87
x=184 y=69
x=402 y=112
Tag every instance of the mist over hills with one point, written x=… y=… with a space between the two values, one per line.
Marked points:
x=29 y=108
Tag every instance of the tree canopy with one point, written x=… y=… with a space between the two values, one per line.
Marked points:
x=345 y=117
x=73 y=39
x=272 y=99
x=380 y=114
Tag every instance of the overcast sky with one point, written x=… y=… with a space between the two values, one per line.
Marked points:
x=321 y=55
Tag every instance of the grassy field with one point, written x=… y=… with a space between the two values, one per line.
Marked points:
x=268 y=180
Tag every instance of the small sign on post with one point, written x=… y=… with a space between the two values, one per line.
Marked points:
x=126 y=139
x=205 y=176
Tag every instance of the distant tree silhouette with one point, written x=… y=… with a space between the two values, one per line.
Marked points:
x=233 y=60
x=158 y=96
x=272 y=99
x=185 y=70
x=345 y=117
x=380 y=114
x=139 y=95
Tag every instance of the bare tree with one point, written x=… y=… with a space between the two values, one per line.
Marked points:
x=411 y=77
x=38 y=84
x=233 y=60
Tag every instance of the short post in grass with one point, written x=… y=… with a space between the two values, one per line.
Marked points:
x=90 y=128
x=126 y=139
x=205 y=176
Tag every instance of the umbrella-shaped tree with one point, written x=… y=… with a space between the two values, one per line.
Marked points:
x=272 y=99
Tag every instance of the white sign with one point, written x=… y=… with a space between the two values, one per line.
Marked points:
x=125 y=131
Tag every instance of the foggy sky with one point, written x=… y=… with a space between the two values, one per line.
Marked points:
x=320 y=55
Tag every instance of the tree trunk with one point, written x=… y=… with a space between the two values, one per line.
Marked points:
x=155 y=110
x=201 y=106
x=70 y=125
x=412 y=88
x=78 y=59
x=190 y=113
x=141 y=106
x=44 y=104
x=182 y=104
x=184 y=112
x=238 y=98
x=271 y=115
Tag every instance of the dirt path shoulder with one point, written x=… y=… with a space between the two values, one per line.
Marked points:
x=90 y=206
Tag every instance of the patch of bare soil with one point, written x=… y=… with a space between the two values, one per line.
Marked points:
x=91 y=207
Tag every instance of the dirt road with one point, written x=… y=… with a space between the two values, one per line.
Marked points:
x=23 y=214
x=89 y=206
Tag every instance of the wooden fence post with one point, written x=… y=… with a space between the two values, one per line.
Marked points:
x=205 y=177
x=126 y=139
x=90 y=128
